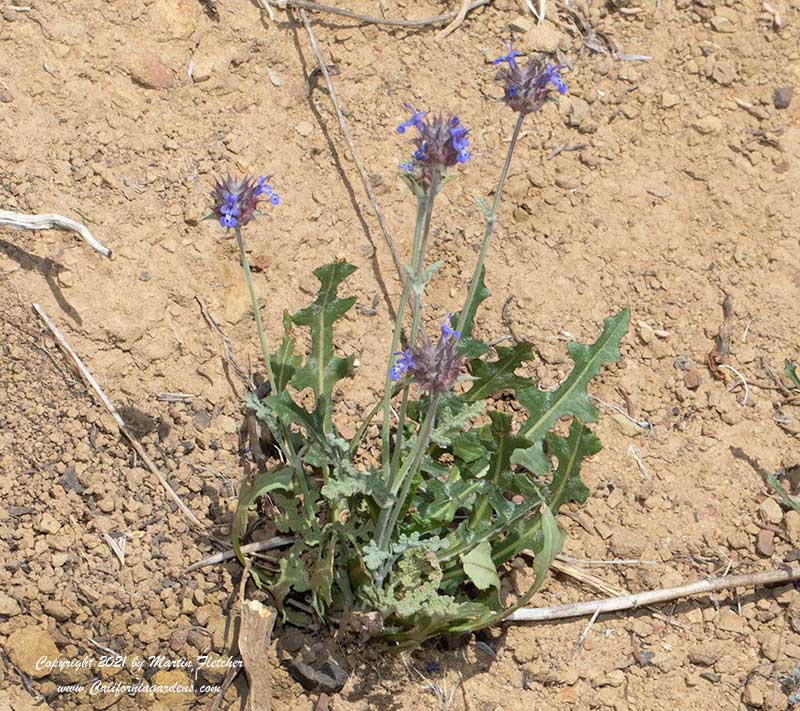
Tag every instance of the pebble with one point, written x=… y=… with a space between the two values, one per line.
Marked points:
x=706 y=654
x=752 y=696
x=771 y=645
x=708 y=125
x=9 y=607
x=729 y=621
x=304 y=128
x=541 y=38
x=47 y=524
x=26 y=646
x=669 y=100
x=148 y=71
x=723 y=74
x=782 y=97
x=722 y=24
x=765 y=543
x=791 y=524
x=579 y=111
x=770 y=511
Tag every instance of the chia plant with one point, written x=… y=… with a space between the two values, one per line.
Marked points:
x=421 y=533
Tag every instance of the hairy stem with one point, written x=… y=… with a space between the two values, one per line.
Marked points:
x=491 y=222
x=248 y=277
x=418 y=267
x=407 y=474
x=398 y=329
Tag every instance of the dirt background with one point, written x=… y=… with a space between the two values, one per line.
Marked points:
x=683 y=189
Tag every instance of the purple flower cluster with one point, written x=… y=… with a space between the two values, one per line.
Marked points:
x=234 y=202
x=442 y=143
x=528 y=87
x=434 y=368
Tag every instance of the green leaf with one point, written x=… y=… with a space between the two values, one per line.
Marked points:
x=570 y=398
x=321 y=582
x=565 y=487
x=553 y=540
x=498 y=375
x=293 y=575
x=479 y=567
x=772 y=480
x=790 y=369
x=284 y=364
x=452 y=416
x=280 y=480
x=481 y=294
x=322 y=369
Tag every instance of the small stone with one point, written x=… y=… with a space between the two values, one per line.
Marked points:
x=541 y=38
x=148 y=71
x=57 y=610
x=106 y=505
x=304 y=128
x=771 y=511
x=723 y=74
x=706 y=654
x=9 y=607
x=791 y=524
x=782 y=97
x=738 y=540
x=729 y=621
x=47 y=524
x=692 y=379
x=579 y=111
x=752 y=696
x=29 y=645
x=328 y=678
x=765 y=543
x=521 y=23
x=5 y=96
x=708 y=125
x=771 y=645
x=669 y=100
x=722 y=24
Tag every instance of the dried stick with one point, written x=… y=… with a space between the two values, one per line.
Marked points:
x=255 y=635
x=123 y=428
x=582 y=575
x=348 y=137
x=308 y=5
x=47 y=222
x=276 y=542
x=456 y=23
x=631 y=602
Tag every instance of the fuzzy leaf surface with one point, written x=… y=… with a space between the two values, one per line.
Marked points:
x=479 y=567
x=322 y=369
x=494 y=376
x=570 y=398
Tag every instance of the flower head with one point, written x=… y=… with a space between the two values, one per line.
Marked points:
x=441 y=143
x=234 y=202
x=434 y=368
x=404 y=362
x=528 y=87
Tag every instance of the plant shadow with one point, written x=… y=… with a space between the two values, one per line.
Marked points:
x=48 y=268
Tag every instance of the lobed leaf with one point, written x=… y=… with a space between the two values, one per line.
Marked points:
x=479 y=568
x=570 y=398
x=322 y=369
x=493 y=376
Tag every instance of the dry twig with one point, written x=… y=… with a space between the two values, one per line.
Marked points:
x=123 y=428
x=47 y=222
x=637 y=600
x=317 y=7
x=348 y=137
x=221 y=557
